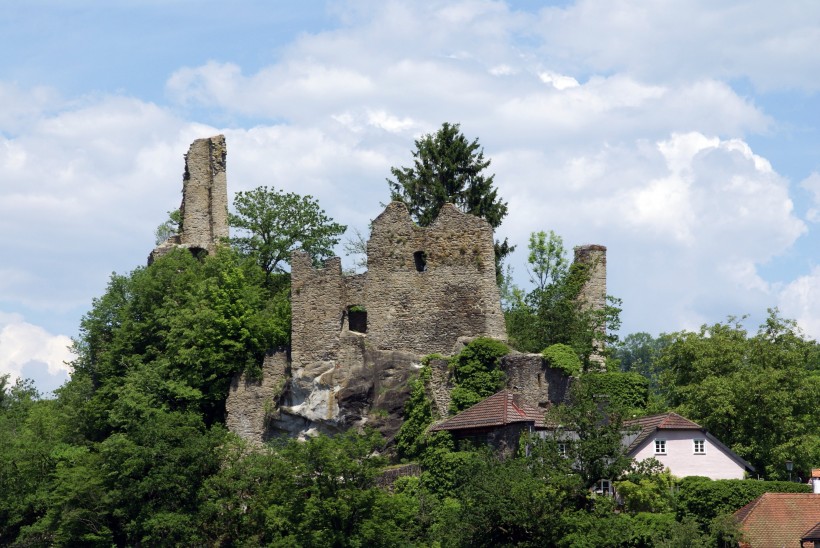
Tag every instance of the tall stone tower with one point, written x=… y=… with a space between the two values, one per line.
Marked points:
x=204 y=208
x=593 y=294
x=204 y=194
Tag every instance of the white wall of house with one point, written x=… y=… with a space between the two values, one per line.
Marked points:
x=682 y=460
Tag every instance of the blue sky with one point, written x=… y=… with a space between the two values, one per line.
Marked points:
x=685 y=137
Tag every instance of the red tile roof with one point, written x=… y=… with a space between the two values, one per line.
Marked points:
x=664 y=421
x=815 y=472
x=499 y=409
x=778 y=519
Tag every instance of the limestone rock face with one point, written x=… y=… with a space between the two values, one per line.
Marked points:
x=362 y=387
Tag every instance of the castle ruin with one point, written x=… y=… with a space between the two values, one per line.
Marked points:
x=357 y=340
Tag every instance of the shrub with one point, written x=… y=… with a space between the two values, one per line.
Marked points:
x=705 y=499
x=563 y=357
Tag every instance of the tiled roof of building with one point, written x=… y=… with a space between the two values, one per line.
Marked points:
x=815 y=472
x=499 y=409
x=664 y=421
x=778 y=519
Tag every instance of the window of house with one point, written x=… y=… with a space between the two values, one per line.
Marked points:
x=562 y=449
x=603 y=487
x=660 y=447
x=700 y=447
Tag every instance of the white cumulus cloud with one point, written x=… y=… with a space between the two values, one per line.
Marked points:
x=22 y=344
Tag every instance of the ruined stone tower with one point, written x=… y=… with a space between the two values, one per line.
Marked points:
x=204 y=208
x=357 y=340
x=593 y=294
x=424 y=288
x=204 y=194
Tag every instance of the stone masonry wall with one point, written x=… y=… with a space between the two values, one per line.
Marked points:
x=538 y=385
x=593 y=294
x=205 y=194
x=250 y=400
x=204 y=208
x=426 y=287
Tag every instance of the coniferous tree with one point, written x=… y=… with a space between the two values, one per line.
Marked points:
x=448 y=168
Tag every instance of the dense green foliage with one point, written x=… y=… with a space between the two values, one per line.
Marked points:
x=133 y=449
x=476 y=372
x=178 y=330
x=591 y=431
x=627 y=392
x=754 y=392
x=705 y=499
x=562 y=357
x=273 y=224
x=448 y=168
x=551 y=312
x=418 y=415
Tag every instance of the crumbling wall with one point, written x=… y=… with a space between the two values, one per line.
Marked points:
x=251 y=401
x=538 y=385
x=426 y=287
x=204 y=208
x=593 y=293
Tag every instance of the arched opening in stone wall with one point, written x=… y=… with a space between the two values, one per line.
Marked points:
x=420 y=258
x=357 y=318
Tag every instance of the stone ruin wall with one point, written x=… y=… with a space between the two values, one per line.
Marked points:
x=425 y=289
x=204 y=208
x=593 y=293
x=428 y=287
x=411 y=307
x=253 y=401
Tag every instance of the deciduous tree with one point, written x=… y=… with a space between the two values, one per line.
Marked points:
x=273 y=223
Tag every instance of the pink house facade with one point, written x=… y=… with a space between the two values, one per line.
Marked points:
x=684 y=447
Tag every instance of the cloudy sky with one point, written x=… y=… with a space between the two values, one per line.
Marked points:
x=684 y=136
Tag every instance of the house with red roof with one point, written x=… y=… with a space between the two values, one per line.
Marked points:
x=497 y=421
x=683 y=446
x=773 y=520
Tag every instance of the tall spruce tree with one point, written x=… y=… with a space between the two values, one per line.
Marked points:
x=448 y=168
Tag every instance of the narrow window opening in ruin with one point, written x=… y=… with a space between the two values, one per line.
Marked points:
x=420 y=257
x=357 y=318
